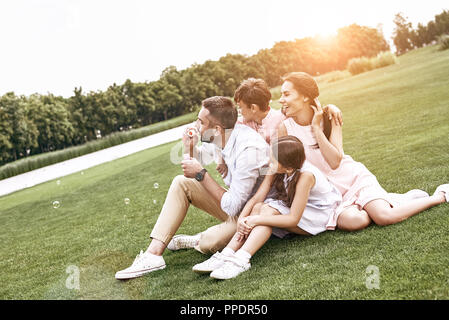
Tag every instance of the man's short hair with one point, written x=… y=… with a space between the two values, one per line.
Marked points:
x=221 y=110
x=253 y=91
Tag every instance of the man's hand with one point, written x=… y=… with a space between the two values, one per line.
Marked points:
x=188 y=139
x=191 y=167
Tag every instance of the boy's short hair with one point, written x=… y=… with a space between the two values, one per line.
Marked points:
x=254 y=91
x=221 y=110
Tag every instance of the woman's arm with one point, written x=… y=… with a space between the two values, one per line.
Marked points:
x=332 y=148
x=305 y=184
x=281 y=130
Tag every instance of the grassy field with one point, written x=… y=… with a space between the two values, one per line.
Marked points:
x=396 y=122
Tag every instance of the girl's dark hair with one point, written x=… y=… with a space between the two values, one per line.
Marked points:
x=307 y=86
x=289 y=152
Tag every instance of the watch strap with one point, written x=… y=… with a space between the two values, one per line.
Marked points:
x=200 y=175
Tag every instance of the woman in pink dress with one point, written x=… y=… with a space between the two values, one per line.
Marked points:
x=364 y=200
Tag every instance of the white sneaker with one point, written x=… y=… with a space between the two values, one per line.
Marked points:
x=211 y=264
x=401 y=199
x=416 y=194
x=144 y=263
x=232 y=267
x=183 y=241
x=443 y=188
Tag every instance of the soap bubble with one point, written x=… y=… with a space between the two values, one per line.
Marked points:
x=56 y=204
x=156 y=185
x=127 y=200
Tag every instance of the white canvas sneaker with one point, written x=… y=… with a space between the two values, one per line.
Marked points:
x=183 y=241
x=144 y=263
x=402 y=199
x=232 y=267
x=416 y=194
x=211 y=264
x=443 y=188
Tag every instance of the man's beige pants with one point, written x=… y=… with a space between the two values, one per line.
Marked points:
x=183 y=192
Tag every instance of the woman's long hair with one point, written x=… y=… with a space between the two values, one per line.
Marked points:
x=289 y=152
x=307 y=86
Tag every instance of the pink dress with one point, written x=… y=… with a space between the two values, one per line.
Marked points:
x=356 y=183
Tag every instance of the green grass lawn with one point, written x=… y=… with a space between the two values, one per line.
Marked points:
x=396 y=122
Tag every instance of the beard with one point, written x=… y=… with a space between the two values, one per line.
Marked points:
x=207 y=136
x=207 y=139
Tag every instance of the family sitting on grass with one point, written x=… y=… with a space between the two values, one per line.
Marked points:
x=286 y=173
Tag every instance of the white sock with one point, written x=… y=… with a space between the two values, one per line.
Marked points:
x=153 y=256
x=228 y=252
x=243 y=255
x=197 y=238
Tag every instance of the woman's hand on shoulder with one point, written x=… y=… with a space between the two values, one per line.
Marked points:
x=334 y=113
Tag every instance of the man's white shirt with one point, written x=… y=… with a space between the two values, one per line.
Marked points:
x=247 y=156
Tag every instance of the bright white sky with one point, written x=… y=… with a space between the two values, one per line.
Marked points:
x=57 y=45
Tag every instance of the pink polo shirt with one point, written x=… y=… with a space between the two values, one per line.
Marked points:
x=269 y=126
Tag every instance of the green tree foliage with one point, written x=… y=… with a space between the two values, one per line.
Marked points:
x=6 y=131
x=402 y=35
x=419 y=36
x=18 y=131
x=50 y=116
x=406 y=38
x=139 y=101
x=358 y=41
x=442 y=22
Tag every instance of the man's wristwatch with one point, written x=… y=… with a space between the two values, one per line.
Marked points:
x=200 y=175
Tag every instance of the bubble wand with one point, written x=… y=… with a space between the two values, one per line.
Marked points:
x=191 y=133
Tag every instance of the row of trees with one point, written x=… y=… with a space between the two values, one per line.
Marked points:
x=41 y=123
x=406 y=38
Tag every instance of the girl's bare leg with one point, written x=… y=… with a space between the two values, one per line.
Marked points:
x=383 y=214
x=259 y=234
x=353 y=219
x=235 y=244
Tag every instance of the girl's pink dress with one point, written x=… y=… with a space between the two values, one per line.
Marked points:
x=356 y=183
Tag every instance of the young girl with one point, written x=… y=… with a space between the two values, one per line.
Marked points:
x=301 y=200
x=362 y=194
